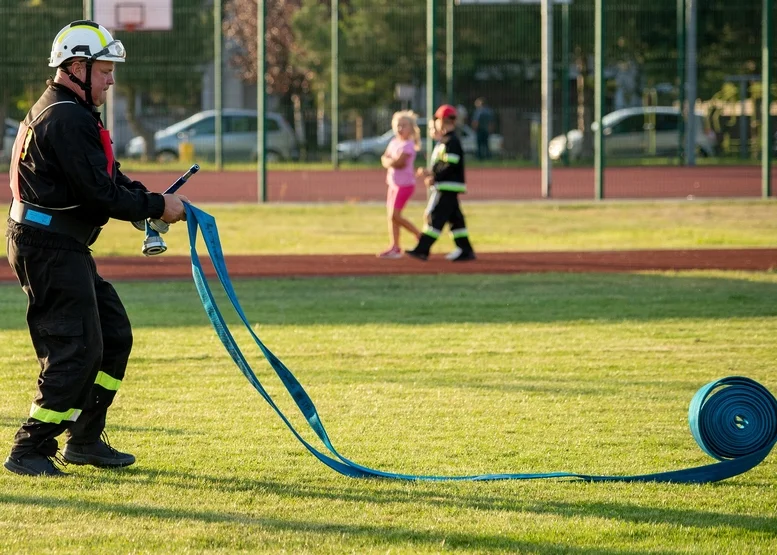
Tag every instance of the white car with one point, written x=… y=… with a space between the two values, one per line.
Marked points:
x=371 y=149
x=238 y=135
x=638 y=132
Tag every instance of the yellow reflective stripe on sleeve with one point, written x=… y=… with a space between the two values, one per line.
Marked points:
x=53 y=416
x=109 y=383
x=451 y=158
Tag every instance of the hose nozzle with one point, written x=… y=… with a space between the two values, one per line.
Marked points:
x=153 y=243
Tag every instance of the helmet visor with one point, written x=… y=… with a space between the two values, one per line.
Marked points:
x=113 y=51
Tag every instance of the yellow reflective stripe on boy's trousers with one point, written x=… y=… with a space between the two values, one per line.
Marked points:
x=53 y=416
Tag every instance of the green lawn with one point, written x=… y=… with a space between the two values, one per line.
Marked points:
x=502 y=226
x=429 y=374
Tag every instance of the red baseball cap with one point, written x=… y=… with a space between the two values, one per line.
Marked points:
x=445 y=111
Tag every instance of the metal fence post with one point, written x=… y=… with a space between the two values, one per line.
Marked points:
x=691 y=71
x=431 y=67
x=88 y=9
x=766 y=99
x=217 y=82
x=546 y=111
x=335 y=85
x=449 y=50
x=261 y=97
x=681 y=33
x=565 y=75
x=599 y=22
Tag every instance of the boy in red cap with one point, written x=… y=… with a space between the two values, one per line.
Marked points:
x=445 y=181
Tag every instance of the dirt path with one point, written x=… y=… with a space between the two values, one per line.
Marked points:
x=179 y=267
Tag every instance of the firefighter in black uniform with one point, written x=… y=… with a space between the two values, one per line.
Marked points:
x=66 y=185
x=446 y=182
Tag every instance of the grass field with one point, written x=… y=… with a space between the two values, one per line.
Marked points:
x=503 y=226
x=589 y=373
x=524 y=373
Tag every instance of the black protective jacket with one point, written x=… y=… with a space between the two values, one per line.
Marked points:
x=65 y=165
x=448 y=164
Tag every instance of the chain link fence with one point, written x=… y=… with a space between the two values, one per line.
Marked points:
x=486 y=55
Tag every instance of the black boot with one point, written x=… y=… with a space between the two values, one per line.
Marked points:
x=421 y=250
x=33 y=464
x=99 y=453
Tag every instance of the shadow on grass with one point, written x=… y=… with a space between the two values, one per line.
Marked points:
x=433 y=497
x=376 y=534
x=428 y=300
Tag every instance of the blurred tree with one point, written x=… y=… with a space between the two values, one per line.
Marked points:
x=240 y=31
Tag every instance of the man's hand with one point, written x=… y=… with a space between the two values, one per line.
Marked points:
x=174 y=209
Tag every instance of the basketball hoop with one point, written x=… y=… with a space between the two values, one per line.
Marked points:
x=130 y=16
x=134 y=15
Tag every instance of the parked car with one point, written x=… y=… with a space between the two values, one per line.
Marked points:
x=636 y=132
x=10 y=129
x=238 y=133
x=371 y=149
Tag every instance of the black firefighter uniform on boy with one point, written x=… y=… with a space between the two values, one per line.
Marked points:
x=66 y=185
x=443 y=207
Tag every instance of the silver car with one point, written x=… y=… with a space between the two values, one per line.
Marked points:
x=637 y=132
x=371 y=149
x=238 y=135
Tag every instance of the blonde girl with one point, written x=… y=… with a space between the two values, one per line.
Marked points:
x=398 y=160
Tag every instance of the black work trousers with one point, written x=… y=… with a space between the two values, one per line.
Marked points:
x=444 y=208
x=81 y=335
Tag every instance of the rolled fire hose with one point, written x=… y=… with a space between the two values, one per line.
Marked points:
x=733 y=419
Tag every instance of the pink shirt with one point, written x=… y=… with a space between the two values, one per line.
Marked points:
x=402 y=177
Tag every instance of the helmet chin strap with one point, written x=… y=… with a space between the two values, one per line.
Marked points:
x=86 y=87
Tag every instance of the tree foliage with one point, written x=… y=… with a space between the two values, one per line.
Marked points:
x=240 y=30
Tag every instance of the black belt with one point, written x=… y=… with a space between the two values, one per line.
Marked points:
x=55 y=221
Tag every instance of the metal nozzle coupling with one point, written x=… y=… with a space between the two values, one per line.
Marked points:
x=158 y=225
x=153 y=244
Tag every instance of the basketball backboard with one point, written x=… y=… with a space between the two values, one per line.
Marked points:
x=134 y=15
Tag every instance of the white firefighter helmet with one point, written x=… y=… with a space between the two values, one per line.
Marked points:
x=85 y=39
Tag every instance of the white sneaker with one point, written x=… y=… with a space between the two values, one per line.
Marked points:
x=453 y=254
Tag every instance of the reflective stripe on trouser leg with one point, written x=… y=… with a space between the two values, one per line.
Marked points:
x=109 y=383
x=458 y=233
x=64 y=327
x=117 y=345
x=53 y=416
x=430 y=204
x=432 y=232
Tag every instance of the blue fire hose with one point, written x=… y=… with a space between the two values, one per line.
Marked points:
x=734 y=419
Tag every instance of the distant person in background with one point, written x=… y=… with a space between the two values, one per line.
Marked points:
x=463 y=114
x=398 y=159
x=482 y=123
